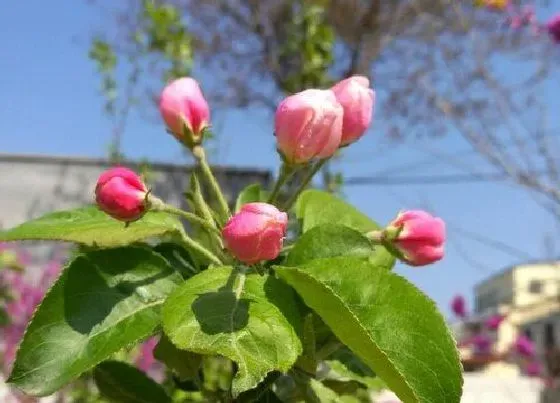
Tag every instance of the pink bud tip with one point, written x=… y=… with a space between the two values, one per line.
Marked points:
x=256 y=232
x=494 y=322
x=308 y=125
x=121 y=194
x=421 y=237
x=553 y=27
x=459 y=306
x=182 y=106
x=524 y=346
x=358 y=103
x=146 y=359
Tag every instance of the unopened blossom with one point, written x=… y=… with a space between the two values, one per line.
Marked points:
x=494 y=322
x=553 y=27
x=524 y=346
x=459 y=306
x=184 y=109
x=418 y=236
x=256 y=232
x=358 y=101
x=121 y=194
x=308 y=125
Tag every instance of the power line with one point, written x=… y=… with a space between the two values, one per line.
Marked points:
x=430 y=179
x=471 y=235
x=453 y=158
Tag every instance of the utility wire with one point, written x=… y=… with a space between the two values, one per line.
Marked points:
x=431 y=179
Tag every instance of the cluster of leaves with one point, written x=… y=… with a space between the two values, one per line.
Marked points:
x=22 y=291
x=327 y=322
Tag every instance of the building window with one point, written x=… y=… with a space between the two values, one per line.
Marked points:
x=549 y=341
x=535 y=287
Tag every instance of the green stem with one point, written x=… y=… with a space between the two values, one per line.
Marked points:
x=200 y=156
x=240 y=284
x=192 y=244
x=198 y=199
x=306 y=180
x=287 y=248
x=328 y=349
x=376 y=236
x=192 y=218
x=285 y=172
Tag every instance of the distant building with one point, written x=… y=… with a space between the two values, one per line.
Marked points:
x=31 y=186
x=528 y=295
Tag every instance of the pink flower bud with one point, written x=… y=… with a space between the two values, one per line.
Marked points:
x=482 y=344
x=418 y=236
x=553 y=27
x=308 y=125
x=183 y=106
x=494 y=322
x=358 y=102
x=459 y=306
x=146 y=359
x=533 y=368
x=256 y=232
x=121 y=194
x=524 y=346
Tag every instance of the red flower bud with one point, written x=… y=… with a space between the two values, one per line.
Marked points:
x=482 y=344
x=121 y=194
x=524 y=346
x=553 y=27
x=308 y=125
x=533 y=368
x=494 y=322
x=418 y=236
x=183 y=107
x=459 y=306
x=256 y=232
x=358 y=102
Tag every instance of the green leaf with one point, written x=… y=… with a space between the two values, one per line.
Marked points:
x=352 y=362
x=4 y=317
x=321 y=393
x=263 y=392
x=341 y=373
x=308 y=360
x=315 y=207
x=325 y=241
x=123 y=383
x=184 y=363
x=178 y=257
x=259 y=330
x=103 y=301
x=268 y=397
x=252 y=193
x=90 y=226
x=387 y=322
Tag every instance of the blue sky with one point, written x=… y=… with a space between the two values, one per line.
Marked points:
x=49 y=104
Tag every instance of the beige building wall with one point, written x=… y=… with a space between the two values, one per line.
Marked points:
x=529 y=296
x=31 y=186
x=534 y=283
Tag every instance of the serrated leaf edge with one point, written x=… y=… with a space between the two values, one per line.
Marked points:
x=122 y=390
x=341 y=301
x=11 y=380
x=235 y=391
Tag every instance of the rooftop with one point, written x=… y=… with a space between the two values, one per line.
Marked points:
x=510 y=268
x=101 y=162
